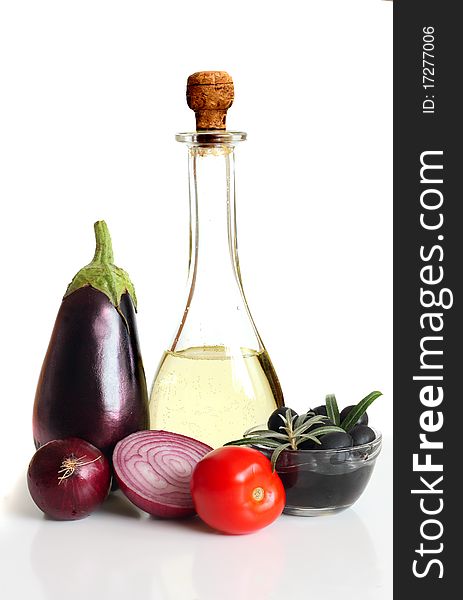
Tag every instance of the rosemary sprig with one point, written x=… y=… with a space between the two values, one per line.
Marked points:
x=294 y=430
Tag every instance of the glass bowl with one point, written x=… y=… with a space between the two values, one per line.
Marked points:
x=321 y=482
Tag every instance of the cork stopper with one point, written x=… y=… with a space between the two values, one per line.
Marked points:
x=210 y=95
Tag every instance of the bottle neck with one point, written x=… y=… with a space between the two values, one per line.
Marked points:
x=213 y=248
x=216 y=294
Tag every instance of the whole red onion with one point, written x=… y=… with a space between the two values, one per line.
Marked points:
x=68 y=478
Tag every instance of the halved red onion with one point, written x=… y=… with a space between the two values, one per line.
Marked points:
x=154 y=469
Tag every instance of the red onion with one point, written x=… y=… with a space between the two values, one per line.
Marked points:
x=154 y=469
x=69 y=478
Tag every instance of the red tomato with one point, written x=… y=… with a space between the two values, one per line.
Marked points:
x=235 y=491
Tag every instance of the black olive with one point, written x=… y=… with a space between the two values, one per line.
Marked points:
x=310 y=444
x=320 y=410
x=275 y=421
x=325 y=423
x=361 y=434
x=336 y=439
x=345 y=411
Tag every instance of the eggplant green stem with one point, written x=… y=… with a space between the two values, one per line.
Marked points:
x=104 y=246
x=102 y=274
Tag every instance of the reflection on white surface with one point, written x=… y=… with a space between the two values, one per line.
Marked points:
x=120 y=552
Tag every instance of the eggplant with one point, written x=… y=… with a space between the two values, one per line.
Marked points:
x=92 y=384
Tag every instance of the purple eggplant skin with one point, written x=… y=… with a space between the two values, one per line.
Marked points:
x=92 y=384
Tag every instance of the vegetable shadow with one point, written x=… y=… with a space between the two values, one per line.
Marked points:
x=191 y=523
x=118 y=505
x=20 y=503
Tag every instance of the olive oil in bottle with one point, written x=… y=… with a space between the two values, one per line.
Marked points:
x=213 y=395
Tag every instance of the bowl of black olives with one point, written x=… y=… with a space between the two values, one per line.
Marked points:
x=324 y=457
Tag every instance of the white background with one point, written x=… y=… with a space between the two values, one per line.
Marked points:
x=91 y=95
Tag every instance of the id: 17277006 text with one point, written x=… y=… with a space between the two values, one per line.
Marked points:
x=429 y=102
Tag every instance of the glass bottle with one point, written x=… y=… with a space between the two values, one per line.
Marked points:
x=216 y=380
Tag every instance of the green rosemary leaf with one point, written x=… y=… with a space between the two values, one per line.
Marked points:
x=332 y=409
x=326 y=429
x=266 y=443
x=289 y=416
x=358 y=410
x=267 y=433
x=253 y=442
x=307 y=436
x=254 y=428
x=276 y=454
x=283 y=418
x=287 y=419
x=287 y=422
x=308 y=424
x=241 y=442
x=300 y=420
